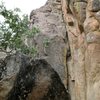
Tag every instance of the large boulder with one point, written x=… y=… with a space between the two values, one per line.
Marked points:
x=9 y=67
x=38 y=81
x=24 y=78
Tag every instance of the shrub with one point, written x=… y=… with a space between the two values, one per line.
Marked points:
x=12 y=29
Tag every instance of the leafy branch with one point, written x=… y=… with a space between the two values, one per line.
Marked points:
x=12 y=30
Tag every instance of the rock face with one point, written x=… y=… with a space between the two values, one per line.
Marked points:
x=51 y=42
x=69 y=41
x=23 y=78
x=38 y=81
x=9 y=67
x=82 y=19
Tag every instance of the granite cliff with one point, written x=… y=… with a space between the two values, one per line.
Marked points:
x=82 y=18
x=69 y=41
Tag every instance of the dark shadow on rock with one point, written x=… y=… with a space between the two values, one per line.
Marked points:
x=38 y=81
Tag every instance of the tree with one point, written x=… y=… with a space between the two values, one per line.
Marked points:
x=12 y=29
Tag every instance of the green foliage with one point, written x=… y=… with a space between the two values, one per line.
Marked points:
x=46 y=42
x=13 y=28
x=31 y=33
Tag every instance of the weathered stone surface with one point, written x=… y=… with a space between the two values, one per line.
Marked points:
x=9 y=67
x=91 y=24
x=80 y=11
x=84 y=40
x=51 y=42
x=50 y=21
x=38 y=81
x=97 y=15
x=28 y=79
x=94 y=5
x=74 y=54
x=93 y=37
x=2 y=55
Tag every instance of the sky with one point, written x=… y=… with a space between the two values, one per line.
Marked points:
x=26 y=6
